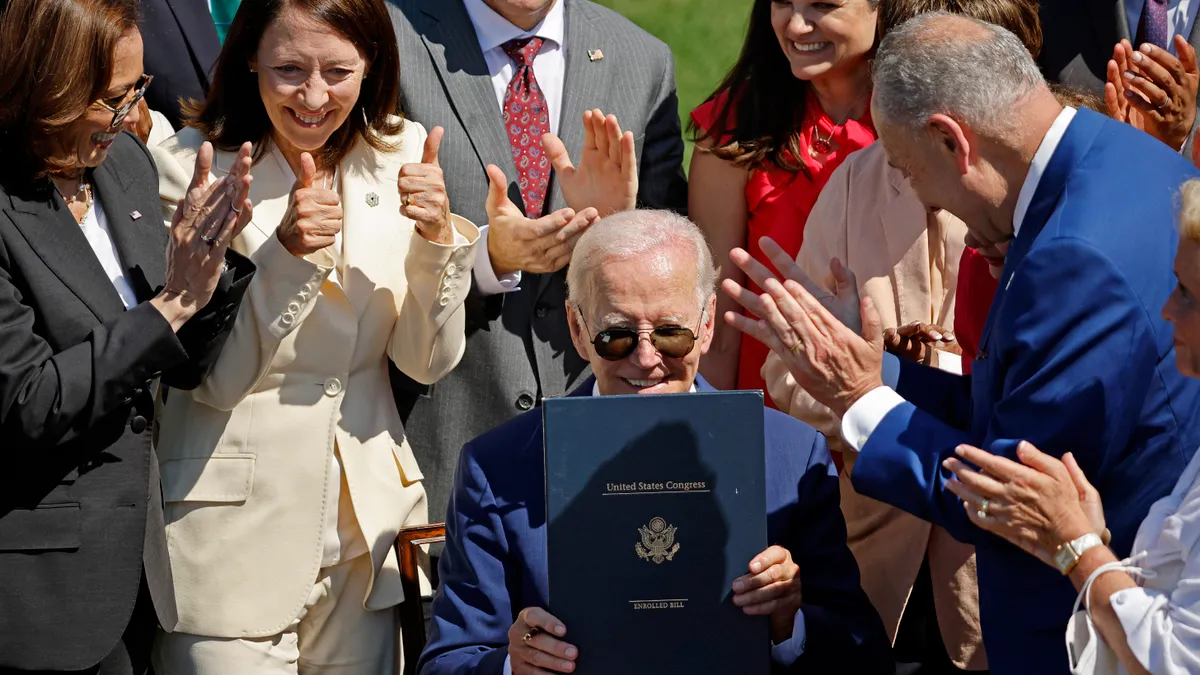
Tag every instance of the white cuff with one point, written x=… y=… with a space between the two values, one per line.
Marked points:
x=485 y=277
x=785 y=653
x=860 y=420
x=891 y=370
x=1142 y=614
x=950 y=363
x=507 y=665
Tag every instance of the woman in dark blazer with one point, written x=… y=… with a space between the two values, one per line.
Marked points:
x=98 y=304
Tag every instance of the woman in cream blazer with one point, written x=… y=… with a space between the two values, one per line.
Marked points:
x=287 y=473
x=906 y=260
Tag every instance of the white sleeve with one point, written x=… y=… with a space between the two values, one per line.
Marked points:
x=860 y=420
x=785 y=653
x=486 y=279
x=507 y=665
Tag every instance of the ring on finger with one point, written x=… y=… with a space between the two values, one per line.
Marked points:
x=207 y=239
x=405 y=200
x=235 y=210
x=795 y=349
x=983 y=509
x=531 y=634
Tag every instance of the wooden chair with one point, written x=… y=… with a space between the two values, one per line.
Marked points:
x=412 y=614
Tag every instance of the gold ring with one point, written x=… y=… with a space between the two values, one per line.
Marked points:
x=404 y=200
x=795 y=349
x=983 y=509
x=532 y=632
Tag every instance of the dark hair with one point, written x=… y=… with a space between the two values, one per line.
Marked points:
x=1020 y=17
x=759 y=120
x=1078 y=98
x=234 y=112
x=56 y=59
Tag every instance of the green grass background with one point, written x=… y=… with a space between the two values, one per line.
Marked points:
x=704 y=35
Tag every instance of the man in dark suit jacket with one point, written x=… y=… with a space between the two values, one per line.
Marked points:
x=640 y=280
x=84 y=576
x=180 y=46
x=519 y=349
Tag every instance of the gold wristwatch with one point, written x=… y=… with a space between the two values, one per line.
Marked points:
x=1068 y=554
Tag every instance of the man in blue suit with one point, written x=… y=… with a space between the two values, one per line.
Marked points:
x=1075 y=356
x=640 y=307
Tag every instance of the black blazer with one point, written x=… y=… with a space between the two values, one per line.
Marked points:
x=77 y=411
x=180 y=46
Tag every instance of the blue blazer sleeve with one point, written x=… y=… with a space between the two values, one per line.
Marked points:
x=472 y=613
x=843 y=631
x=943 y=395
x=1071 y=375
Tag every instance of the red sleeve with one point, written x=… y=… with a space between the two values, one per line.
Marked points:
x=976 y=288
x=706 y=116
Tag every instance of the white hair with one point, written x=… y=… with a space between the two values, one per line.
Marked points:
x=939 y=63
x=638 y=233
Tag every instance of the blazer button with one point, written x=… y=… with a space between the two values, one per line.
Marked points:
x=443 y=301
x=287 y=319
x=451 y=269
x=293 y=307
x=138 y=424
x=333 y=387
x=525 y=401
x=541 y=311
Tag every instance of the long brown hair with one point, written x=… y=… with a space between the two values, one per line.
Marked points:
x=759 y=121
x=234 y=112
x=56 y=59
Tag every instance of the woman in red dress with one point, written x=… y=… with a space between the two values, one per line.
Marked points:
x=791 y=109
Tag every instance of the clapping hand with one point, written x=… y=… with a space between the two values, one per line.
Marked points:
x=1154 y=91
x=314 y=215
x=917 y=341
x=772 y=589
x=535 y=645
x=205 y=221
x=833 y=362
x=606 y=177
x=517 y=243
x=423 y=193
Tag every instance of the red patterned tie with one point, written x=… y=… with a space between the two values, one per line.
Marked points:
x=527 y=119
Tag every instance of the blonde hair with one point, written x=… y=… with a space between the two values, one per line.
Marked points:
x=1189 y=210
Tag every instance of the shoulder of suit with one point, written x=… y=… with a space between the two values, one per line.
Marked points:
x=788 y=427
x=407 y=145
x=507 y=441
x=617 y=25
x=128 y=151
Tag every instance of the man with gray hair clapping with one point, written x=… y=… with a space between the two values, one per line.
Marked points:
x=642 y=293
x=1074 y=357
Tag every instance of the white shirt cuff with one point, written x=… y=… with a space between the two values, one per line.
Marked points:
x=891 y=370
x=950 y=363
x=507 y=665
x=867 y=412
x=785 y=653
x=485 y=277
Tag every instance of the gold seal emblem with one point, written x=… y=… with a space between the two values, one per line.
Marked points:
x=658 y=541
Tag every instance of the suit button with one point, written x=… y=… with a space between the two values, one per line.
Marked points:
x=451 y=269
x=541 y=311
x=138 y=424
x=443 y=301
x=525 y=401
x=287 y=319
x=333 y=387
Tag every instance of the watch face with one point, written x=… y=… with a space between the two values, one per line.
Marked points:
x=1064 y=558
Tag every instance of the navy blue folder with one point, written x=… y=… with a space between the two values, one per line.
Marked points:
x=655 y=504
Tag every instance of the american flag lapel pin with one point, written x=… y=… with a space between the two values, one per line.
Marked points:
x=135 y=214
x=595 y=55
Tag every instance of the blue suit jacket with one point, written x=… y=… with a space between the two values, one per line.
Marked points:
x=494 y=562
x=1075 y=357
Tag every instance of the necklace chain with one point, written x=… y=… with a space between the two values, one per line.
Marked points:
x=84 y=186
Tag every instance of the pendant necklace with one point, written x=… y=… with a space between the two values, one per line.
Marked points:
x=822 y=146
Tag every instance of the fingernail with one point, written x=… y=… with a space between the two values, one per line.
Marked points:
x=960 y=451
x=572 y=652
x=738 y=586
x=756 y=567
x=1145 y=49
x=560 y=629
x=949 y=337
x=1129 y=75
x=945 y=463
x=935 y=335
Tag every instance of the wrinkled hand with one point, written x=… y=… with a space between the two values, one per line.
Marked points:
x=517 y=243
x=917 y=341
x=1154 y=91
x=836 y=365
x=544 y=652
x=606 y=178
x=423 y=193
x=202 y=227
x=772 y=588
x=314 y=215
x=1036 y=505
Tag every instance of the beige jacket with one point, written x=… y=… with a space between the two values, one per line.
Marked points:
x=245 y=457
x=906 y=260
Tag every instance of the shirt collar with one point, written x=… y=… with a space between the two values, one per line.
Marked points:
x=596 y=388
x=1041 y=159
x=493 y=30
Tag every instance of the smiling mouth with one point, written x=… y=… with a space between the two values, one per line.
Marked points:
x=810 y=47
x=310 y=121
x=103 y=140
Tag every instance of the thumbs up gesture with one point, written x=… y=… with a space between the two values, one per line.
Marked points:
x=423 y=193
x=606 y=177
x=314 y=215
x=518 y=243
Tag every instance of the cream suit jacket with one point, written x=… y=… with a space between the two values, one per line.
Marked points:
x=906 y=260
x=245 y=456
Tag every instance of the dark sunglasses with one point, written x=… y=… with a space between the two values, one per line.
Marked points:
x=121 y=112
x=614 y=344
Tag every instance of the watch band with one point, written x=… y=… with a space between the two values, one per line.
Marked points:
x=1068 y=554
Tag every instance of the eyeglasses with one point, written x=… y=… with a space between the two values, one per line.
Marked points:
x=119 y=114
x=614 y=344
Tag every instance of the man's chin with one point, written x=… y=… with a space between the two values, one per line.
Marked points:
x=665 y=386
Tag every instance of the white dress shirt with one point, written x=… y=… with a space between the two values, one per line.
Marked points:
x=549 y=67
x=868 y=412
x=95 y=229
x=1181 y=16
x=784 y=653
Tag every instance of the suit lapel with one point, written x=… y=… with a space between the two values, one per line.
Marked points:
x=58 y=240
x=453 y=46
x=198 y=29
x=141 y=243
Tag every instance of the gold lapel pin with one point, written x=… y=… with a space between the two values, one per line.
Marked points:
x=135 y=214
x=372 y=199
x=595 y=55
